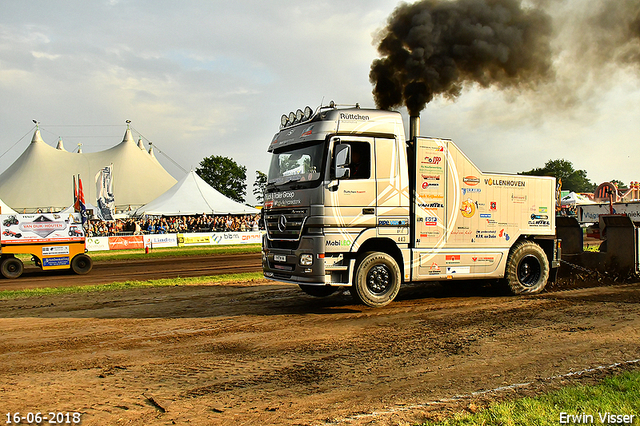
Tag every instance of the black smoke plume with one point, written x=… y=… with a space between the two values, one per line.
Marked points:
x=435 y=47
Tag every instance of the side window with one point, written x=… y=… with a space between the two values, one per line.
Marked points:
x=360 y=165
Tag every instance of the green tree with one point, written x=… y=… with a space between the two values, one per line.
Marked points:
x=572 y=180
x=621 y=185
x=225 y=175
x=259 y=186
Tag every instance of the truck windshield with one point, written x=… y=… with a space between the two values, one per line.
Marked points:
x=297 y=164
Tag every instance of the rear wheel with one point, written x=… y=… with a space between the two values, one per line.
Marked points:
x=377 y=280
x=81 y=264
x=527 y=269
x=11 y=267
x=318 y=290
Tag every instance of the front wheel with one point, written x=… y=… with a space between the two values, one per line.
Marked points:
x=11 y=267
x=81 y=264
x=377 y=280
x=527 y=269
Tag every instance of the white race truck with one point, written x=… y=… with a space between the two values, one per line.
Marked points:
x=350 y=202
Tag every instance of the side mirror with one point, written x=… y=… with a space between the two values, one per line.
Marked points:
x=342 y=157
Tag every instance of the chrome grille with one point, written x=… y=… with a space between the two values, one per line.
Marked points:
x=285 y=224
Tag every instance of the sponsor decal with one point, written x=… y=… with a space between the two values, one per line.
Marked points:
x=471 y=190
x=505 y=182
x=539 y=216
x=458 y=270
x=452 y=258
x=539 y=223
x=431 y=205
x=56 y=261
x=468 y=208
x=431 y=177
x=337 y=243
x=432 y=160
x=504 y=234
x=430 y=221
x=485 y=215
x=346 y=116
x=432 y=196
x=542 y=210
x=351 y=192
x=487 y=235
x=393 y=222
x=493 y=206
x=434 y=269
x=54 y=250
x=426 y=185
x=519 y=199
x=307 y=131
x=471 y=180
x=483 y=259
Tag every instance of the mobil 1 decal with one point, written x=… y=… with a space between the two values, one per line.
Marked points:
x=430 y=195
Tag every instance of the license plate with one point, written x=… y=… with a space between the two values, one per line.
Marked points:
x=279 y=258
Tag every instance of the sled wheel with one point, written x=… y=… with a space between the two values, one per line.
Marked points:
x=12 y=267
x=527 y=269
x=81 y=264
x=318 y=290
x=377 y=280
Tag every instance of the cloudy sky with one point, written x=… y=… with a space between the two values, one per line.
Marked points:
x=201 y=78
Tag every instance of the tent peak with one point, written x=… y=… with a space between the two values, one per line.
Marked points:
x=36 y=136
x=127 y=136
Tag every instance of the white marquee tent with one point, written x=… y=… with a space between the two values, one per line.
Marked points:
x=42 y=177
x=5 y=209
x=191 y=196
x=575 y=199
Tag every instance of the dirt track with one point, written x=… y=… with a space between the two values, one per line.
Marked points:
x=265 y=353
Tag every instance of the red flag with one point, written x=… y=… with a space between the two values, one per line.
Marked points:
x=80 y=191
x=76 y=204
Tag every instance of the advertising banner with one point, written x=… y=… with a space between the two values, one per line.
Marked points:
x=97 y=243
x=219 y=238
x=161 y=240
x=41 y=227
x=126 y=243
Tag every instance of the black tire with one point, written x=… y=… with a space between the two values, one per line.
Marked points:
x=377 y=280
x=318 y=290
x=11 y=267
x=81 y=264
x=527 y=269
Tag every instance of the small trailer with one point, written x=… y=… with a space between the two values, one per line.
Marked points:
x=54 y=241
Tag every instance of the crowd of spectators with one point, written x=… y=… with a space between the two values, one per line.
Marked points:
x=174 y=225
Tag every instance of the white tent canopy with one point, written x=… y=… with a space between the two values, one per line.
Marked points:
x=5 y=209
x=191 y=196
x=575 y=199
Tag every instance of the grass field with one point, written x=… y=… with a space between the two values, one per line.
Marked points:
x=616 y=400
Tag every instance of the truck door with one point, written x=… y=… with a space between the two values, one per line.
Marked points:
x=392 y=197
x=351 y=201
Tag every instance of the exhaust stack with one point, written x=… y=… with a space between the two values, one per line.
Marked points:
x=414 y=127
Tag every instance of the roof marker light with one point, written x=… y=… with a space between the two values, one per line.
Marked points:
x=307 y=113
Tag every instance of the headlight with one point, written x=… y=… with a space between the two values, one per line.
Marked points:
x=306 y=259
